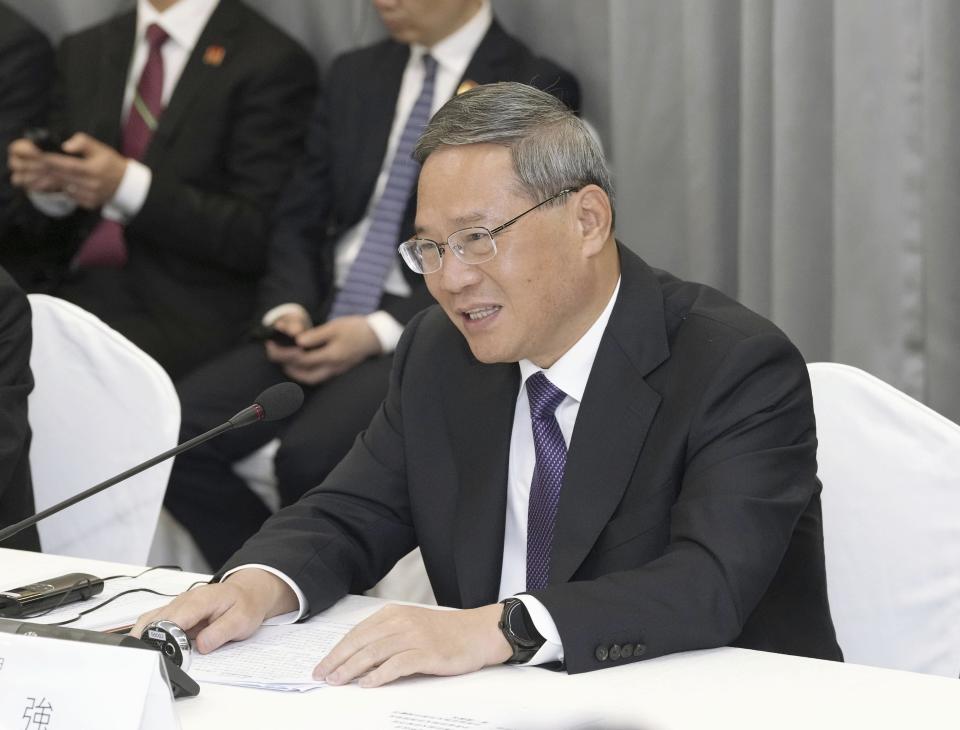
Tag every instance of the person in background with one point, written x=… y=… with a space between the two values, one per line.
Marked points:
x=26 y=74
x=336 y=285
x=600 y=463
x=16 y=382
x=181 y=121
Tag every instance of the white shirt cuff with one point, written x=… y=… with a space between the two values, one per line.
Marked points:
x=281 y=309
x=286 y=618
x=387 y=330
x=552 y=649
x=131 y=193
x=55 y=205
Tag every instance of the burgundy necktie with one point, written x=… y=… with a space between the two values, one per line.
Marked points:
x=105 y=246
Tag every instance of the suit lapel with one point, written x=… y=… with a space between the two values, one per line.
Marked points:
x=617 y=409
x=112 y=79
x=480 y=424
x=493 y=59
x=202 y=70
x=375 y=116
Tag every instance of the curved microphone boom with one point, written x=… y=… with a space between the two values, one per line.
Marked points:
x=276 y=402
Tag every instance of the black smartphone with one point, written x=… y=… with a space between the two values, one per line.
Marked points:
x=46 y=140
x=274 y=335
x=48 y=594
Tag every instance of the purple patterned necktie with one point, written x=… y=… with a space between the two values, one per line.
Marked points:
x=363 y=287
x=105 y=246
x=551 y=453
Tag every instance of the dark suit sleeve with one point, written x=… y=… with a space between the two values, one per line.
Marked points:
x=749 y=474
x=228 y=226
x=344 y=535
x=16 y=382
x=296 y=269
x=26 y=72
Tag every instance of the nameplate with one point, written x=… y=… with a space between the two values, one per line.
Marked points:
x=52 y=684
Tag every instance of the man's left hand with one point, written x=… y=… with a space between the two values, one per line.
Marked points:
x=401 y=640
x=330 y=349
x=92 y=178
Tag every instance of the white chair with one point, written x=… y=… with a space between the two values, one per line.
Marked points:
x=890 y=469
x=100 y=406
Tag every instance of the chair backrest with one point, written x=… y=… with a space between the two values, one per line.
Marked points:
x=100 y=406
x=890 y=469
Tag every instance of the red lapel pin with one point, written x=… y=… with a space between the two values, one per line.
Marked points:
x=213 y=56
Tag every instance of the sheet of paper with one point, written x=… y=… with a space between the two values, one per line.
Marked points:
x=283 y=657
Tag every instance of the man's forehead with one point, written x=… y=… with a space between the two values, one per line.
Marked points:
x=464 y=186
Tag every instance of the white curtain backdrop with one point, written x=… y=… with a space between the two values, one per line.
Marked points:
x=800 y=155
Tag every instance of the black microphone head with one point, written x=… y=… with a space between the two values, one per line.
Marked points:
x=279 y=401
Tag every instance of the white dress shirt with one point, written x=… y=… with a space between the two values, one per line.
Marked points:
x=569 y=374
x=453 y=55
x=183 y=22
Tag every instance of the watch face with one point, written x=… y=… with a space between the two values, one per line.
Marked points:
x=519 y=631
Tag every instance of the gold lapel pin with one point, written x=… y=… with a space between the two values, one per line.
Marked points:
x=213 y=55
x=466 y=86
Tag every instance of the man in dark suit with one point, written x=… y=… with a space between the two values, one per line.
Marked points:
x=26 y=73
x=16 y=382
x=632 y=454
x=184 y=118
x=325 y=218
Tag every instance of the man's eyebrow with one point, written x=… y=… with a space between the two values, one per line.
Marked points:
x=462 y=221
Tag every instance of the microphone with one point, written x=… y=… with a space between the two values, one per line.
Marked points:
x=276 y=402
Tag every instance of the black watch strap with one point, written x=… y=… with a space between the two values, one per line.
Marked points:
x=519 y=631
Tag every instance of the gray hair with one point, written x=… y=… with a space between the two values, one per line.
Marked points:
x=552 y=148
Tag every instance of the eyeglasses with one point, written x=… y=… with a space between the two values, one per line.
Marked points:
x=471 y=245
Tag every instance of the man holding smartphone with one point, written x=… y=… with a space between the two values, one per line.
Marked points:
x=181 y=120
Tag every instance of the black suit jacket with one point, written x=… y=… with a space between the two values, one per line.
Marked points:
x=689 y=515
x=26 y=72
x=224 y=146
x=16 y=382
x=345 y=149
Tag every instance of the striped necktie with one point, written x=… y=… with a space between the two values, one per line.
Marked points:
x=363 y=287
x=105 y=246
x=551 y=454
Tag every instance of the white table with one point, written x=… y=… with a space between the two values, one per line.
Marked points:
x=726 y=687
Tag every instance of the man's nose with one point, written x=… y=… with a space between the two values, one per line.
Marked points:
x=455 y=276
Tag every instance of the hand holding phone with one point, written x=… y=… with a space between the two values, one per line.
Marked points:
x=47 y=140
x=276 y=336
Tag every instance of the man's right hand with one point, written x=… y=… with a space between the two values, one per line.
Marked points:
x=292 y=324
x=29 y=169
x=229 y=611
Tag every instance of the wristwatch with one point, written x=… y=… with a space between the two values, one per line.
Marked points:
x=519 y=631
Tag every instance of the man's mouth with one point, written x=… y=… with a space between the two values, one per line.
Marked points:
x=478 y=313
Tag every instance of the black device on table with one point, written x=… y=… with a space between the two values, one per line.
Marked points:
x=48 y=594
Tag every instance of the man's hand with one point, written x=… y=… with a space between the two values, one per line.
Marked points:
x=29 y=168
x=221 y=612
x=327 y=350
x=401 y=640
x=92 y=178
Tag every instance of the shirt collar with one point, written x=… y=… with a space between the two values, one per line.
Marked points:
x=183 y=22
x=571 y=372
x=455 y=51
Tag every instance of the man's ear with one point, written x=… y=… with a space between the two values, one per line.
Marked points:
x=594 y=217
